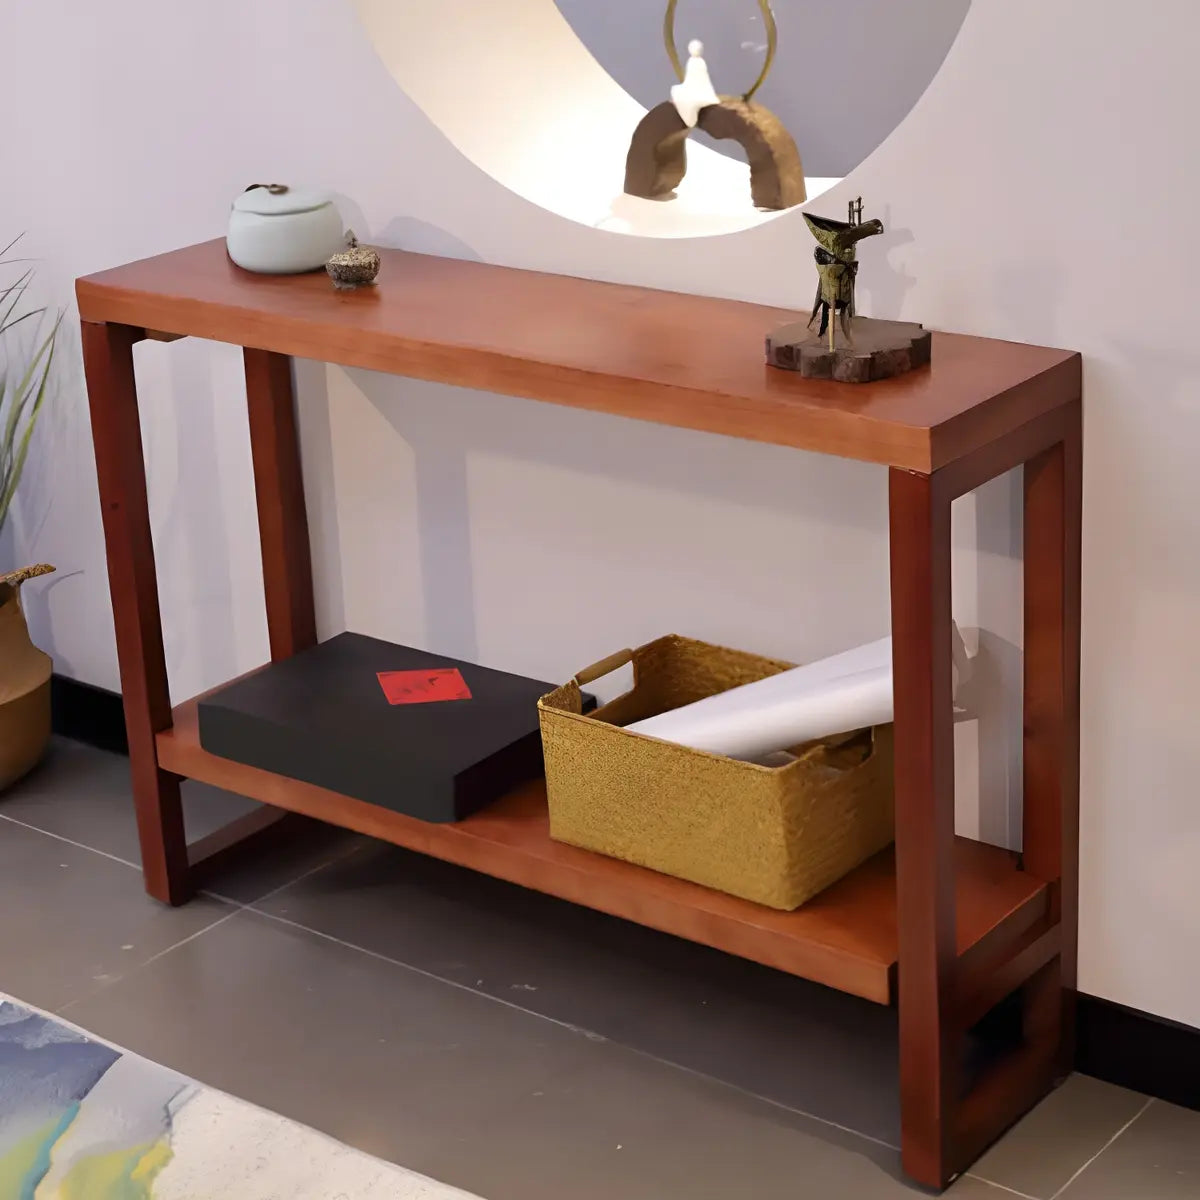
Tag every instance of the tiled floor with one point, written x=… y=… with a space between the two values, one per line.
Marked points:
x=499 y=1040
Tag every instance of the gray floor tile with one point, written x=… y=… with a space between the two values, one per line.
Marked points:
x=970 y=1188
x=83 y=794
x=452 y=1084
x=1069 y=1127
x=376 y=1055
x=1156 y=1158
x=782 y=1038
x=250 y=877
x=625 y=1127
x=72 y=921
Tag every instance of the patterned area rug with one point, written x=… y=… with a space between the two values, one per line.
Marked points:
x=83 y=1120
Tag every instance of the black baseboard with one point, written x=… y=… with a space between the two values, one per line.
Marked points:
x=1121 y=1045
x=88 y=714
x=1138 y=1051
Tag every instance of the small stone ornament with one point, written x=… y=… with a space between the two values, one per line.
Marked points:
x=353 y=267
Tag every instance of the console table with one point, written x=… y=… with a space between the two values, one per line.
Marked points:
x=943 y=927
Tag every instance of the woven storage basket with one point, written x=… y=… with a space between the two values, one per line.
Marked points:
x=775 y=835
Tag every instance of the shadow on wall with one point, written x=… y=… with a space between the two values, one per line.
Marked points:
x=192 y=529
x=317 y=464
x=445 y=546
x=446 y=426
x=996 y=676
x=884 y=281
x=999 y=546
x=407 y=233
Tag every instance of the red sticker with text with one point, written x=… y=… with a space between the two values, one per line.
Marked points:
x=424 y=687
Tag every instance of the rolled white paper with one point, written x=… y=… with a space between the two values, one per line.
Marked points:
x=847 y=691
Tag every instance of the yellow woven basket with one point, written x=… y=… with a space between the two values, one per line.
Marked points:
x=775 y=835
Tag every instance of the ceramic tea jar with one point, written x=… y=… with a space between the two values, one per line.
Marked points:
x=280 y=230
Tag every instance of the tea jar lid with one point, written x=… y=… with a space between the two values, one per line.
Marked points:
x=277 y=200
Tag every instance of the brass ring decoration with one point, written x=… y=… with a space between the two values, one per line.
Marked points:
x=772 y=41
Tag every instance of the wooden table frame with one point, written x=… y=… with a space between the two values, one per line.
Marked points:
x=942 y=988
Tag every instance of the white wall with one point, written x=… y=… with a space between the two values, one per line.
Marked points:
x=1036 y=184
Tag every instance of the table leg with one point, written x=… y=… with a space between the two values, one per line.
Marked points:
x=924 y=783
x=133 y=584
x=279 y=490
x=1053 y=513
x=947 y=1120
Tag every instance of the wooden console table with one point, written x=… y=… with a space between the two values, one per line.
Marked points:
x=944 y=927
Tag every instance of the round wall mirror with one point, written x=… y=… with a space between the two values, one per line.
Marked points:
x=545 y=95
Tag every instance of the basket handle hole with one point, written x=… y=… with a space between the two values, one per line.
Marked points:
x=845 y=752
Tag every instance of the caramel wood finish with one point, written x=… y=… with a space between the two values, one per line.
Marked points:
x=981 y=988
x=924 y=774
x=1053 y=520
x=675 y=359
x=1005 y=1094
x=133 y=585
x=944 y=990
x=846 y=937
x=279 y=492
x=945 y=927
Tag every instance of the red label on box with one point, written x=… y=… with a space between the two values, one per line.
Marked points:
x=424 y=687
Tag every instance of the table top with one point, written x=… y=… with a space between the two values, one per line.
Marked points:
x=684 y=360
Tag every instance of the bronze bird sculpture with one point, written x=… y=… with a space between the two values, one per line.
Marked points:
x=837 y=267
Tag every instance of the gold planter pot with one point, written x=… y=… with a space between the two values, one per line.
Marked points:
x=24 y=685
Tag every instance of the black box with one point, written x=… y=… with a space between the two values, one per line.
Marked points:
x=323 y=717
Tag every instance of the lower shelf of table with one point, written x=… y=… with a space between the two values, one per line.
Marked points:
x=845 y=938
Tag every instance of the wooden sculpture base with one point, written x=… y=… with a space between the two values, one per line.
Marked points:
x=879 y=350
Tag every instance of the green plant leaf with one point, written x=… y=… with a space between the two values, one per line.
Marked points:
x=16 y=290
x=18 y=463
x=21 y=396
x=28 y=383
